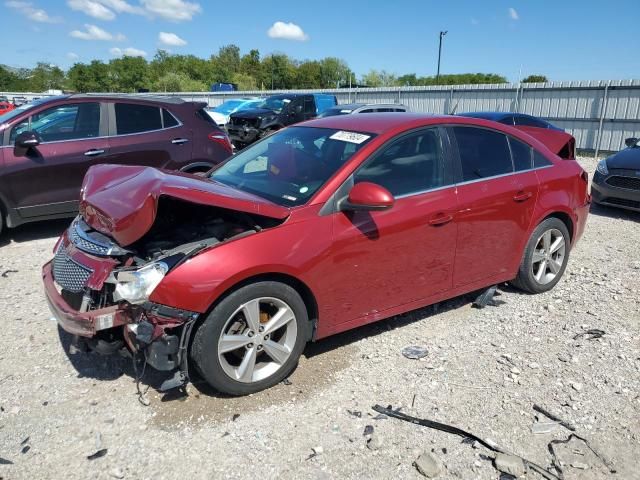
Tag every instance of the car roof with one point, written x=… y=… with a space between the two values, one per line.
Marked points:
x=378 y=123
x=488 y=115
x=131 y=96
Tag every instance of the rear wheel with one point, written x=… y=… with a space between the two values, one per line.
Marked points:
x=252 y=339
x=545 y=257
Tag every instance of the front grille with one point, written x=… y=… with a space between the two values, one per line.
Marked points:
x=242 y=122
x=622 y=202
x=628 y=183
x=69 y=274
x=84 y=244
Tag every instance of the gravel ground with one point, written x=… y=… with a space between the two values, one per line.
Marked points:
x=483 y=372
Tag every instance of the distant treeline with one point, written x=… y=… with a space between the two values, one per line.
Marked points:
x=183 y=73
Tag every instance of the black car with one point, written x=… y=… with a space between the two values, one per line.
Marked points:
x=513 y=119
x=617 y=179
x=276 y=112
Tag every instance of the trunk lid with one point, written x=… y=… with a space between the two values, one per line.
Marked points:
x=122 y=201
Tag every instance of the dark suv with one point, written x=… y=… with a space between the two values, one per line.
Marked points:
x=47 y=146
x=274 y=113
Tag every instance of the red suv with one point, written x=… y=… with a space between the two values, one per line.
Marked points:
x=48 y=146
x=314 y=230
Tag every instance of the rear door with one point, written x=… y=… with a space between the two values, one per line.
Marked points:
x=47 y=179
x=148 y=135
x=496 y=204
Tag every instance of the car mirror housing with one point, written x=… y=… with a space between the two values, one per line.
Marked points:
x=25 y=141
x=631 y=142
x=367 y=196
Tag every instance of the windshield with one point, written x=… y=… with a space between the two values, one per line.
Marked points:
x=228 y=107
x=290 y=166
x=275 y=103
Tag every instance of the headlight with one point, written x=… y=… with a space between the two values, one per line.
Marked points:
x=602 y=167
x=135 y=287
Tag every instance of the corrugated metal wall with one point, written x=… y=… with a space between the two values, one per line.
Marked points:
x=600 y=114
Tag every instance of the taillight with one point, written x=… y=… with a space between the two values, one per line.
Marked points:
x=222 y=139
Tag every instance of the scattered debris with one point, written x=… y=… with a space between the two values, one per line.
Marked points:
x=485 y=298
x=414 y=352
x=380 y=416
x=510 y=464
x=25 y=440
x=98 y=454
x=355 y=413
x=235 y=417
x=539 y=428
x=375 y=441
x=557 y=464
x=577 y=386
x=556 y=418
x=580 y=465
x=428 y=465
x=286 y=381
x=116 y=473
x=315 y=451
x=4 y=461
x=6 y=273
x=368 y=430
x=457 y=431
x=591 y=334
x=25 y=449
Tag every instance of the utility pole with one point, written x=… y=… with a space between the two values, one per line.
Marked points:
x=442 y=34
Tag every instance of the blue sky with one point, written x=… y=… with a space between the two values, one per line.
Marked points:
x=563 y=39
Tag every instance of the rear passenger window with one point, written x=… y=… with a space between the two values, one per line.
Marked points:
x=413 y=164
x=369 y=110
x=134 y=118
x=168 y=119
x=483 y=153
x=540 y=160
x=521 y=153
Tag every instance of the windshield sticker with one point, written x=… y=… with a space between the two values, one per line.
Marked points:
x=289 y=197
x=351 y=137
x=346 y=111
x=286 y=100
x=304 y=189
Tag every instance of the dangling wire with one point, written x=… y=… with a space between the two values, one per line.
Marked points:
x=142 y=396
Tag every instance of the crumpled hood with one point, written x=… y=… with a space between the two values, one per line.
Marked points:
x=254 y=113
x=122 y=201
x=629 y=159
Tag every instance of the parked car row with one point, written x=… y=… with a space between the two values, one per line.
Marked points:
x=47 y=146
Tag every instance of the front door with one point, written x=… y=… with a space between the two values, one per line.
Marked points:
x=384 y=259
x=495 y=204
x=47 y=179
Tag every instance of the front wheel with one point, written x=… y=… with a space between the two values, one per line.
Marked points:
x=252 y=339
x=545 y=257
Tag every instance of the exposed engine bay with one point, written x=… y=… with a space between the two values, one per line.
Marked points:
x=94 y=273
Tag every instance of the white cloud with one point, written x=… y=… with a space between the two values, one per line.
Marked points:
x=127 y=52
x=287 y=31
x=92 y=8
x=31 y=12
x=73 y=56
x=171 y=39
x=173 y=10
x=121 y=6
x=513 y=14
x=96 y=33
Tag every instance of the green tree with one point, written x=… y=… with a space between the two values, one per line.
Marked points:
x=94 y=77
x=535 y=79
x=226 y=63
x=250 y=63
x=379 y=78
x=334 y=72
x=178 y=82
x=46 y=76
x=129 y=73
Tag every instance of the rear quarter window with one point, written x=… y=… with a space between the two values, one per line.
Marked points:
x=168 y=120
x=540 y=160
x=521 y=153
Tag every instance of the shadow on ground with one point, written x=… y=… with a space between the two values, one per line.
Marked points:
x=612 y=212
x=34 y=231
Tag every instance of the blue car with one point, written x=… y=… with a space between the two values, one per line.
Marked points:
x=221 y=113
x=513 y=119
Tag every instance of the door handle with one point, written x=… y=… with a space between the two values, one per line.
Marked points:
x=440 y=219
x=93 y=152
x=179 y=141
x=521 y=196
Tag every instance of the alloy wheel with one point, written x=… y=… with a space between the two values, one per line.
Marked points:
x=548 y=256
x=257 y=339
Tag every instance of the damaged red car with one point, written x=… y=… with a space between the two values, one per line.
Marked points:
x=314 y=230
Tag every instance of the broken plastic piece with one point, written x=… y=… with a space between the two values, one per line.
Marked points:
x=178 y=380
x=98 y=454
x=485 y=297
x=414 y=352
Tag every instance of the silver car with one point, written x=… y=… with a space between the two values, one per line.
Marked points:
x=349 y=108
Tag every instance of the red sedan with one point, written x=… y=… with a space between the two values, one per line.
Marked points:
x=319 y=228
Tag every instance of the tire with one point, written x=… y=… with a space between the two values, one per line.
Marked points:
x=541 y=267
x=230 y=371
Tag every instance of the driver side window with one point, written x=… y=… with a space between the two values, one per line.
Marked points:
x=62 y=122
x=412 y=164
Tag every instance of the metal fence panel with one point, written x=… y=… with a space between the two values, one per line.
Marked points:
x=599 y=114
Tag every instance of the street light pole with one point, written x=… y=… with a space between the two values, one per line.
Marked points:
x=442 y=34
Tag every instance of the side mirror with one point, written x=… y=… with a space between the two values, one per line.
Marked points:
x=367 y=196
x=631 y=142
x=24 y=141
